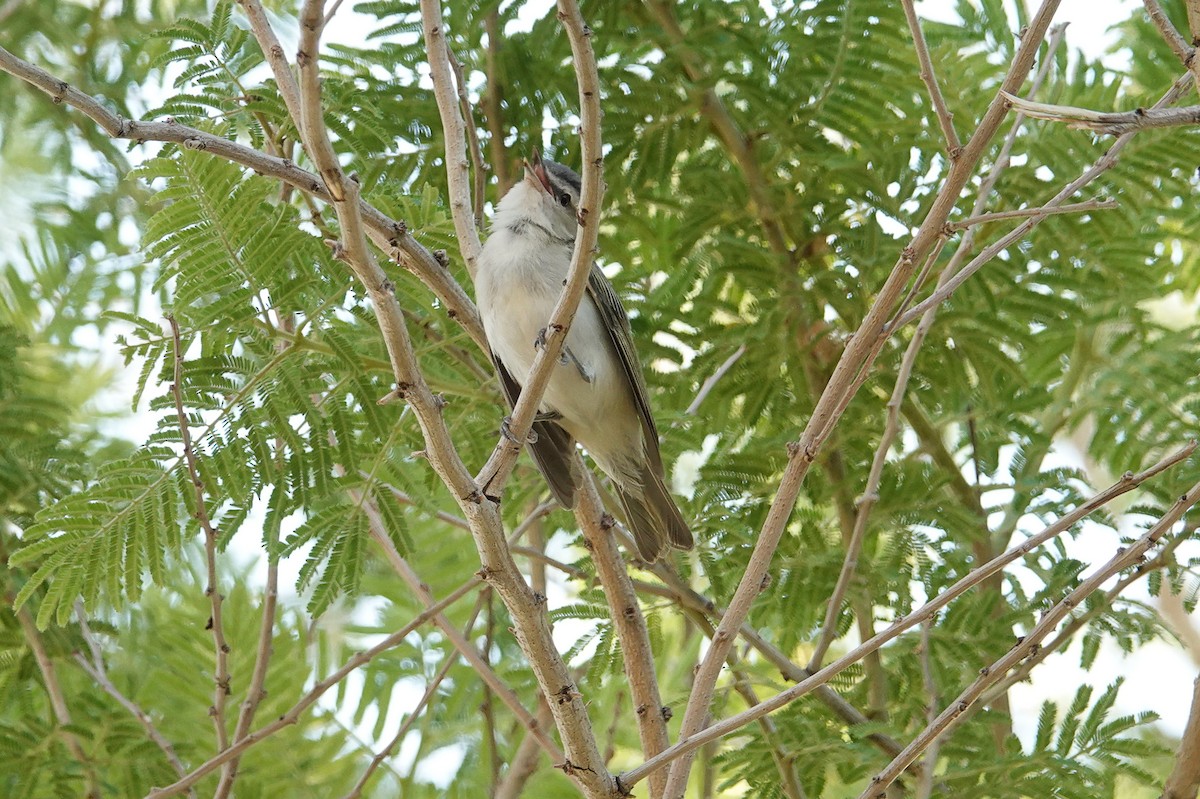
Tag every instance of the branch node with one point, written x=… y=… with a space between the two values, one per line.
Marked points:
x=442 y=259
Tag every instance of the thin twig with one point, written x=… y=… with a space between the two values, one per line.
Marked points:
x=929 y=77
x=457 y=166
x=525 y=762
x=711 y=381
x=988 y=675
x=94 y=667
x=460 y=642
x=925 y=786
x=1021 y=213
x=292 y=716
x=221 y=678
x=1170 y=35
x=58 y=701
x=1113 y=123
x=720 y=729
x=857 y=356
x=415 y=713
x=478 y=167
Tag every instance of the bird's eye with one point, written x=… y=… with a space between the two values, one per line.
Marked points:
x=564 y=200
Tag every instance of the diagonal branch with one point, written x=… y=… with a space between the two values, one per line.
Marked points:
x=929 y=77
x=857 y=357
x=988 y=675
x=94 y=667
x=415 y=713
x=1178 y=45
x=316 y=692
x=688 y=744
x=58 y=701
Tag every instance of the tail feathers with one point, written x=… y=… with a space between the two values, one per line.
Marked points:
x=653 y=517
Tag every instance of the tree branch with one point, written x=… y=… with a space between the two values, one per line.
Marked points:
x=1185 y=54
x=857 y=357
x=457 y=166
x=636 y=656
x=96 y=670
x=988 y=675
x=58 y=701
x=1021 y=213
x=929 y=77
x=315 y=693
x=1113 y=123
x=687 y=744
x=221 y=678
x=415 y=713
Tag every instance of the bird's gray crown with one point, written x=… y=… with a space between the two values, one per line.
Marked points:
x=563 y=175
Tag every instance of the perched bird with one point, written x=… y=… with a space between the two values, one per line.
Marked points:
x=596 y=395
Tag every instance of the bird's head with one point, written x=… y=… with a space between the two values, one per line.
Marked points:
x=549 y=195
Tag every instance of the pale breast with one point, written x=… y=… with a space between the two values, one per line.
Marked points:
x=518 y=287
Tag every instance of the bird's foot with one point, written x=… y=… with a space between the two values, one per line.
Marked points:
x=506 y=431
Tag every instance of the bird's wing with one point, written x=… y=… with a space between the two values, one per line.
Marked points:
x=616 y=322
x=554 y=449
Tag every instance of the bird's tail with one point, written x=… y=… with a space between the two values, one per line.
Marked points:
x=652 y=515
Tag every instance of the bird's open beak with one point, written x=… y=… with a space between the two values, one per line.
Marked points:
x=535 y=173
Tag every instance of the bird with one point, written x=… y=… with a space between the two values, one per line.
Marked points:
x=597 y=394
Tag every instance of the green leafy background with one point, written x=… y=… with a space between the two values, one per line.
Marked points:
x=1053 y=347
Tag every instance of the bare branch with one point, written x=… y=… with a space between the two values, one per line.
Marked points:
x=1185 y=54
x=944 y=117
x=414 y=714
x=316 y=692
x=457 y=166
x=988 y=675
x=720 y=729
x=58 y=701
x=465 y=648
x=1113 y=123
x=524 y=763
x=1022 y=213
x=478 y=167
x=857 y=357
x=637 y=658
x=1184 y=780
x=925 y=787
x=221 y=679
x=96 y=670
x=711 y=381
